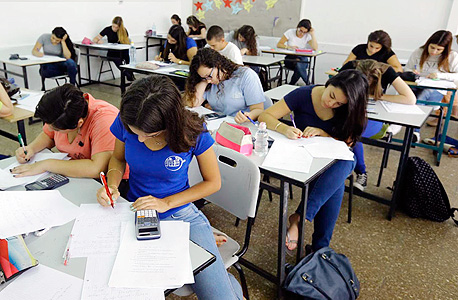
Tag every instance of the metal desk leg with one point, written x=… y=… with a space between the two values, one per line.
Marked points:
x=312 y=69
x=123 y=81
x=21 y=130
x=300 y=240
x=283 y=218
x=402 y=161
x=88 y=65
x=444 y=131
x=4 y=71
x=147 y=39
x=24 y=73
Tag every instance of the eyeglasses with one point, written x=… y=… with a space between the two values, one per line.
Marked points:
x=210 y=76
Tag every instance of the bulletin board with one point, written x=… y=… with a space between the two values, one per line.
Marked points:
x=268 y=17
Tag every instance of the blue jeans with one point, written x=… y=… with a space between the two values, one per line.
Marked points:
x=55 y=69
x=324 y=200
x=214 y=282
x=301 y=70
x=372 y=128
x=429 y=95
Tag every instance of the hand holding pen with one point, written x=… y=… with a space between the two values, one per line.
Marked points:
x=23 y=153
x=106 y=196
x=242 y=117
x=293 y=132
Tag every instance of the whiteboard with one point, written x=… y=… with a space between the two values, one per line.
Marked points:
x=231 y=14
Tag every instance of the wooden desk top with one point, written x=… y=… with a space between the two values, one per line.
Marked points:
x=18 y=115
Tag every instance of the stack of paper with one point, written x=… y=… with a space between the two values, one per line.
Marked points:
x=29 y=100
x=7 y=180
x=397 y=108
x=423 y=81
x=22 y=212
x=161 y=263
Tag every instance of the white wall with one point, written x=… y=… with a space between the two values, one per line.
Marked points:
x=24 y=22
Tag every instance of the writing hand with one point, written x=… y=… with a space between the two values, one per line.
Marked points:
x=293 y=133
x=103 y=198
x=241 y=118
x=21 y=157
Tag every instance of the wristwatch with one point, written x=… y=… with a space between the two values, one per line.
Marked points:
x=179 y=62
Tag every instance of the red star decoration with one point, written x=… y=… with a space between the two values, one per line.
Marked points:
x=227 y=3
x=238 y=1
x=198 y=5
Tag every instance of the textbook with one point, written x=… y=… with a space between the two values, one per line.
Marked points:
x=15 y=258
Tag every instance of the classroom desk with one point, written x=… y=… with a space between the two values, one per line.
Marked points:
x=161 y=37
x=266 y=63
x=279 y=92
x=18 y=117
x=409 y=121
x=48 y=248
x=107 y=46
x=312 y=56
x=286 y=178
x=168 y=71
x=32 y=61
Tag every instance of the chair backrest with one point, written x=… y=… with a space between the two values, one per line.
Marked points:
x=240 y=179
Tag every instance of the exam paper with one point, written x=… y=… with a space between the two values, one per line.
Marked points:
x=97 y=230
x=29 y=100
x=326 y=147
x=44 y=58
x=161 y=263
x=397 y=108
x=7 y=179
x=423 y=81
x=201 y=110
x=43 y=283
x=288 y=156
x=96 y=287
x=27 y=211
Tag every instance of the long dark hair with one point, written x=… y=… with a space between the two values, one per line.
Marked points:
x=374 y=71
x=350 y=119
x=441 y=38
x=248 y=33
x=380 y=37
x=59 y=32
x=212 y=59
x=176 y=18
x=178 y=49
x=62 y=107
x=154 y=103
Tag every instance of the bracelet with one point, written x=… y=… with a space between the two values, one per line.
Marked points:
x=114 y=170
x=275 y=129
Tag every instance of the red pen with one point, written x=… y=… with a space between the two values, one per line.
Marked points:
x=103 y=178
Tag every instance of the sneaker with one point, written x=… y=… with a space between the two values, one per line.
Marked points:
x=416 y=137
x=361 y=181
x=394 y=129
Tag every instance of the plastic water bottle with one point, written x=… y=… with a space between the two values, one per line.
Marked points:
x=261 y=144
x=132 y=55
x=153 y=29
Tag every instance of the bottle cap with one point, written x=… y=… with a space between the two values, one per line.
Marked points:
x=262 y=126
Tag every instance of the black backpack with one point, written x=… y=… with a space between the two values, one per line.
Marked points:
x=422 y=193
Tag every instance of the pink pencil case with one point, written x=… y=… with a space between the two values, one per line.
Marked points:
x=235 y=137
x=86 y=41
x=304 y=50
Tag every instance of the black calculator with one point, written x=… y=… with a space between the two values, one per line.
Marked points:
x=147 y=224
x=49 y=183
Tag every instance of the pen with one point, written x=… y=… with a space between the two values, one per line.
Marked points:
x=372 y=112
x=21 y=143
x=292 y=119
x=66 y=255
x=251 y=120
x=103 y=178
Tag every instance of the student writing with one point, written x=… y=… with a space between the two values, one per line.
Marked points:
x=158 y=138
x=58 y=43
x=337 y=109
x=229 y=88
x=77 y=124
x=178 y=48
x=197 y=30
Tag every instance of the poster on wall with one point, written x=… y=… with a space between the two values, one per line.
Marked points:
x=268 y=17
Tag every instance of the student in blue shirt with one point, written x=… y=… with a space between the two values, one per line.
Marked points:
x=336 y=110
x=229 y=88
x=158 y=138
x=179 y=48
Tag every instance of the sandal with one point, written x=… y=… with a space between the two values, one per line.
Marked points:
x=289 y=241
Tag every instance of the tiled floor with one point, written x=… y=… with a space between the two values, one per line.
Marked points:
x=400 y=259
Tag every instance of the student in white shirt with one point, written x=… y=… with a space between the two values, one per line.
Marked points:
x=216 y=41
x=302 y=37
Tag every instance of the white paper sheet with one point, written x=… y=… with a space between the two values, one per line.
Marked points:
x=201 y=110
x=397 y=108
x=423 y=81
x=95 y=287
x=29 y=100
x=326 y=147
x=288 y=156
x=43 y=283
x=44 y=58
x=22 y=212
x=161 y=263
x=96 y=231
x=7 y=180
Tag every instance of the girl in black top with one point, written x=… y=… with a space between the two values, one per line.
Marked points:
x=116 y=34
x=378 y=48
x=197 y=30
x=175 y=19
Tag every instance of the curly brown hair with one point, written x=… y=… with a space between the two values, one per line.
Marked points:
x=152 y=104
x=248 y=33
x=211 y=59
